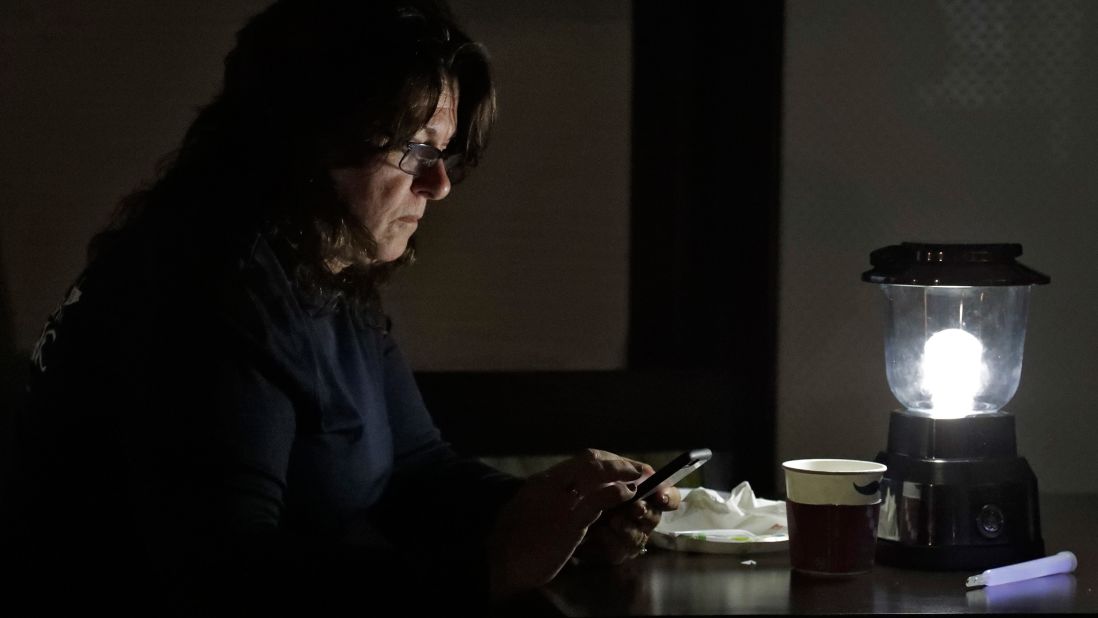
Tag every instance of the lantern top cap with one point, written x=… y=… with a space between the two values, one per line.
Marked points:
x=931 y=264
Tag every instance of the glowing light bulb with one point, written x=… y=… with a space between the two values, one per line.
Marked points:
x=952 y=371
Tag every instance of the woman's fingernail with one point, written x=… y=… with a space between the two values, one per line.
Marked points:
x=665 y=499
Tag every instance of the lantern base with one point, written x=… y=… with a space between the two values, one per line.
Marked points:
x=956 y=494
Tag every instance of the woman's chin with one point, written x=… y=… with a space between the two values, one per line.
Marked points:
x=389 y=254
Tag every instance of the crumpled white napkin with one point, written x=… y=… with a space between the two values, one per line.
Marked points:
x=706 y=509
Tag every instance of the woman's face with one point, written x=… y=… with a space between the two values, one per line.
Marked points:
x=390 y=202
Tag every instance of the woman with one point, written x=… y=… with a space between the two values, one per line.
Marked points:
x=220 y=412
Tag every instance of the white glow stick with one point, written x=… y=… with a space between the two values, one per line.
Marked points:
x=1063 y=562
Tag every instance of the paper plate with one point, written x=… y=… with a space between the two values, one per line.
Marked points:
x=718 y=541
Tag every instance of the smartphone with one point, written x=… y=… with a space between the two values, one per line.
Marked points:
x=673 y=472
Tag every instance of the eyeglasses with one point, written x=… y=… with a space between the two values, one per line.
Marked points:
x=420 y=158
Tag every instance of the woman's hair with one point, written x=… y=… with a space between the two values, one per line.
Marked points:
x=310 y=86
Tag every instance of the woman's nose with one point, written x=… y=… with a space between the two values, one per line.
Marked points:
x=434 y=183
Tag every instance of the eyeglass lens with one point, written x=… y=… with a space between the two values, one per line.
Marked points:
x=420 y=158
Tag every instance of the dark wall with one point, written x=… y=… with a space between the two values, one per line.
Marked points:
x=706 y=135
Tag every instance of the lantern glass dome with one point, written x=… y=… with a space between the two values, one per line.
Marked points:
x=955 y=324
x=953 y=351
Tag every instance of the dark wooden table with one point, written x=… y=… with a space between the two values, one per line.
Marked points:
x=674 y=583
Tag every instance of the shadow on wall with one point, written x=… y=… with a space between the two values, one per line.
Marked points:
x=13 y=368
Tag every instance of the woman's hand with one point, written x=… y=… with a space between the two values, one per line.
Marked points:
x=621 y=533
x=540 y=528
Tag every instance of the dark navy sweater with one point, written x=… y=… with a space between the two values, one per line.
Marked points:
x=205 y=437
